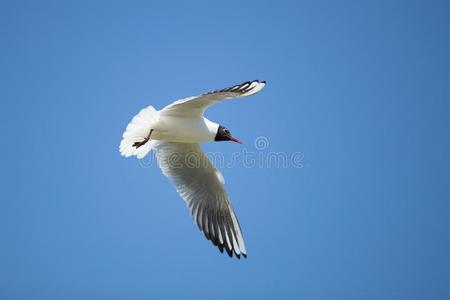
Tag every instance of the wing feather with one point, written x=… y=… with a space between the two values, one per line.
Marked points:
x=196 y=106
x=204 y=194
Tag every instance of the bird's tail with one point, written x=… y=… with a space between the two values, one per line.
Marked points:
x=137 y=131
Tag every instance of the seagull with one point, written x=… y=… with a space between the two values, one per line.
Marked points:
x=174 y=134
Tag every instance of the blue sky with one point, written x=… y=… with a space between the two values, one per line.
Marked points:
x=360 y=88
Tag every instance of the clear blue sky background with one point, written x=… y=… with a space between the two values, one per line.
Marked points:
x=361 y=88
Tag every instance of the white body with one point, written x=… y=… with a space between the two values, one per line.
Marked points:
x=184 y=130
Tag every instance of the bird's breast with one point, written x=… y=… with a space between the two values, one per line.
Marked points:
x=186 y=130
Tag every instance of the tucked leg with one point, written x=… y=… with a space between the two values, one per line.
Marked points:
x=139 y=144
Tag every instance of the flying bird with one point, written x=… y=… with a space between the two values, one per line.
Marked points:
x=174 y=133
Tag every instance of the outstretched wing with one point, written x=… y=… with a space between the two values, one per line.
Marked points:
x=200 y=184
x=196 y=106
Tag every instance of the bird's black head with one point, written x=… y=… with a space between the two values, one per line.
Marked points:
x=224 y=134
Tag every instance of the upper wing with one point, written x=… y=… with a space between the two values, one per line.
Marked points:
x=200 y=184
x=195 y=106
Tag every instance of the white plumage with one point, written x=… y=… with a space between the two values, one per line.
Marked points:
x=136 y=131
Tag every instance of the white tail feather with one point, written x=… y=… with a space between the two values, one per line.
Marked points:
x=137 y=131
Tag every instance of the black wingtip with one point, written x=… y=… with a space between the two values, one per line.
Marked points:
x=229 y=252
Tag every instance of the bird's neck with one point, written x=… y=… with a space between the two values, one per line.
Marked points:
x=212 y=128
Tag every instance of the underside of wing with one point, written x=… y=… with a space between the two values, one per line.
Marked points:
x=200 y=184
x=195 y=106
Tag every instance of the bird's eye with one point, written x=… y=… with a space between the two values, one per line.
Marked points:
x=226 y=131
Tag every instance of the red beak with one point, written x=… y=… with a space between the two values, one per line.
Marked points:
x=235 y=140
